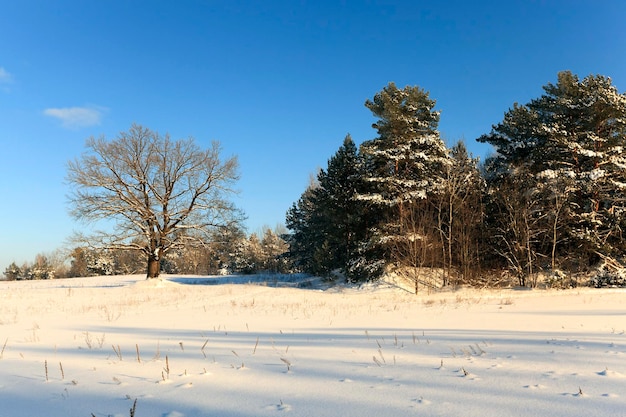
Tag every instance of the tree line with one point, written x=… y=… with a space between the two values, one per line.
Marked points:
x=548 y=205
x=230 y=251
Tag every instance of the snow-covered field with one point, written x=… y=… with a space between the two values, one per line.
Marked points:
x=180 y=347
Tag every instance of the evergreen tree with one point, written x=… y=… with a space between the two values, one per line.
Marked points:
x=338 y=213
x=273 y=249
x=326 y=220
x=566 y=150
x=404 y=166
x=223 y=247
x=304 y=237
x=12 y=272
x=253 y=254
x=41 y=268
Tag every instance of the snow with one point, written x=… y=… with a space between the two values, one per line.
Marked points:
x=596 y=174
x=183 y=348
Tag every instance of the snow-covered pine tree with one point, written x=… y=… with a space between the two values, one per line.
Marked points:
x=12 y=272
x=567 y=148
x=404 y=166
x=225 y=248
x=273 y=249
x=248 y=258
x=100 y=262
x=587 y=122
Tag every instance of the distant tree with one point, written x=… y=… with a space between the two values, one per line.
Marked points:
x=101 y=262
x=12 y=272
x=41 y=268
x=86 y=261
x=224 y=247
x=274 y=249
x=159 y=194
x=128 y=262
x=78 y=263
x=252 y=256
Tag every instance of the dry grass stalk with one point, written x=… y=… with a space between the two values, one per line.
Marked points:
x=157 y=354
x=117 y=351
x=380 y=352
x=286 y=361
x=167 y=367
x=203 y=346
x=3 y=347
x=132 y=410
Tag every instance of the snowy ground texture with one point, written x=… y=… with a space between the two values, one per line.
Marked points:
x=181 y=347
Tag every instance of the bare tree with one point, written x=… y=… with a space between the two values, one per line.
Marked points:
x=154 y=193
x=416 y=249
x=460 y=213
x=521 y=227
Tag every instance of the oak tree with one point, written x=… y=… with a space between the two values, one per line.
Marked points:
x=154 y=194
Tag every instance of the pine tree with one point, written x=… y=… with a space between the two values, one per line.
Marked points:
x=566 y=149
x=273 y=249
x=12 y=272
x=404 y=166
x=224 y=245
x=251 y=255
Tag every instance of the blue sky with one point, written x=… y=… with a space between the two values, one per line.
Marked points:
x=278 y=83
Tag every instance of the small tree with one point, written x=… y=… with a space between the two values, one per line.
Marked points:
x=418 y=246
x=274 y=249
x=78 y=264
x=41 y=268
x=251 y=255
x=12 y=272
x=159 y=194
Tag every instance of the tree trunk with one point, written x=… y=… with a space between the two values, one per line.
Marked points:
x=154 y=267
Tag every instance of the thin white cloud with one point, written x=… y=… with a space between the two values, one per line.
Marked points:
x=5 y=76
x=76 y=117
